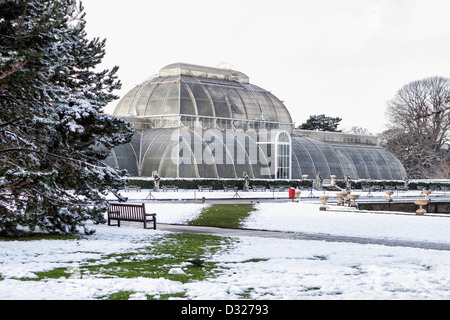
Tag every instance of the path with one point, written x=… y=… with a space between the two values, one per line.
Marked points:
x=300 y=236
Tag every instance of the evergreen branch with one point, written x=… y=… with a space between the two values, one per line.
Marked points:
x=4 y=124
x=17 y=149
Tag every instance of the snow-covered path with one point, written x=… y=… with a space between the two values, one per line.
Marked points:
x=303 y=236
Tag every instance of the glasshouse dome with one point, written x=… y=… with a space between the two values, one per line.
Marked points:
x=200 y=122
x=208 y=97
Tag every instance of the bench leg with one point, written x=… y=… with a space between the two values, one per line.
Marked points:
x=113 y=225
x=154 y=223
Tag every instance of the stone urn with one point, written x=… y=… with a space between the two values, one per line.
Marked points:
x=341 y=196
x=427 y=194
x=323 y=199
x=421 y=203
x=389 y=193
x=353 y=198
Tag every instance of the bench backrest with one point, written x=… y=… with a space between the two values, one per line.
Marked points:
x=129 y=212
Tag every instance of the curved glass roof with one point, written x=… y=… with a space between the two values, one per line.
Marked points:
x=187 y=153
x=182 y=89
x=310 y=156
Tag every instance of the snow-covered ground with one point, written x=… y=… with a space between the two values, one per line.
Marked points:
x=256 y=268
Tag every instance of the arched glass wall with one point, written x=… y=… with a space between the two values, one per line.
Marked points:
x=186 y=153
x=199 y=153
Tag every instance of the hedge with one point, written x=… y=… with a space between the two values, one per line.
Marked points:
x=218 y=184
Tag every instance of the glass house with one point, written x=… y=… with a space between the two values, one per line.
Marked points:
x=200 y=122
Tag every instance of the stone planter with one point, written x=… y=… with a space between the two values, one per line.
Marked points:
x=389 y=193
x=341 y=196
x=421 y=203
x=324 y=200
x=353 y=198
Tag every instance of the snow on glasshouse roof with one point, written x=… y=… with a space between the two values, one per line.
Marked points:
x=200 y=122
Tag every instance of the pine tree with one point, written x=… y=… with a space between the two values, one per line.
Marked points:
x=53 y=131
x=321 y=123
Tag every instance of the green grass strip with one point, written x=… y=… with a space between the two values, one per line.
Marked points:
x=223 y=215
x=154 y=261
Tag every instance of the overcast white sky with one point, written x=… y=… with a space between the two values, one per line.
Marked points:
x=342 y=58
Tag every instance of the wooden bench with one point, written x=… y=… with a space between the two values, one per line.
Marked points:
x=130 y=212
x=131 y=187
x=201 y=188
x=174 y=188
x=280 y=188
x=226 y=188
x=255 y=188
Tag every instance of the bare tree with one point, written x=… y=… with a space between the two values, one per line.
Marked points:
x=419 y=128
x=421 y=108
x=443 y=169
x=357 y=130
x=415 y=153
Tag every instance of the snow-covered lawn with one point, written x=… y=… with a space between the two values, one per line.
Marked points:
x=305 y=217
x=254 y=268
